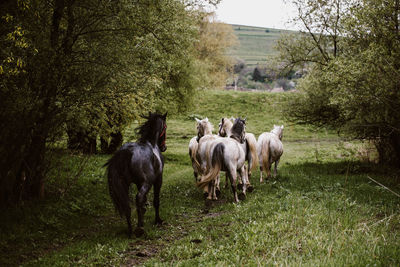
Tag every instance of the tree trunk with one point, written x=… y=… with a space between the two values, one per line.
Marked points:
x=389 y=150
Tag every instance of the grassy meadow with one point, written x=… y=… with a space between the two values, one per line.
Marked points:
x=321 y=209
x=256 y=44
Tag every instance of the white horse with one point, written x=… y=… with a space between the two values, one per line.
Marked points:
x=270 y=150
x=250 y=147
x=198 y=152
x=204 y=128
x=226 y=154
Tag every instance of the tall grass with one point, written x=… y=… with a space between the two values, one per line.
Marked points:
x=320 y=210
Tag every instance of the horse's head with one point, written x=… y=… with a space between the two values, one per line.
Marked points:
x=154 y=130
x=204 y=127
x=238 y=130
x=278 y=130
x=224 y=127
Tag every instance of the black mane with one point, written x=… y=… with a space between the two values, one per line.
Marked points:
x=148 y=131
x=238 y=128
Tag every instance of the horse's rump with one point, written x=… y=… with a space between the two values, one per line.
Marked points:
x=217 y=161
x=251 y=141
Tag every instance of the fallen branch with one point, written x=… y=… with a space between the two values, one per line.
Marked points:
x=384 y=186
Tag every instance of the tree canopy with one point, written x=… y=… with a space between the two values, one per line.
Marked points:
x=351 y=50
x=88 y=69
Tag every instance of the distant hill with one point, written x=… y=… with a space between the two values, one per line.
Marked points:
x=256 y=44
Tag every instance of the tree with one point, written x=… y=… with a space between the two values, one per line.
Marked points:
x=81 y=66
x=257 y=76
x=214 y=41
x=353 y=81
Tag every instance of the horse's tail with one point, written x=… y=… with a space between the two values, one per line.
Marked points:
x=118 y=184
x=265 y=153
x=193 y=154
x=251 y=141
x=216 y=162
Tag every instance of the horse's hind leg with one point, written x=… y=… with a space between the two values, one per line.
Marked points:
x=156 y=201
x=261 y=173
x=268 y=170
x=232 y=178
x=140 y=201
x=243 y=175
x=276 y=168
x=128 y=220
x=217 y=187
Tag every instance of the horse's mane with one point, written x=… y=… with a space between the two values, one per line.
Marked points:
x=237 y=130
x=207 y=127
x=148 y=130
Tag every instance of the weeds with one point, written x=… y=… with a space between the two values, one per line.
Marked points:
x=313 y=213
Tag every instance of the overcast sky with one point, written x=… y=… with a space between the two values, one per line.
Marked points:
x=262 y=13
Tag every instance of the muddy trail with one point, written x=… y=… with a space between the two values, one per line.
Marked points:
x=141 y=250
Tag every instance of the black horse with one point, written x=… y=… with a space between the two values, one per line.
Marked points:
x=141 y=163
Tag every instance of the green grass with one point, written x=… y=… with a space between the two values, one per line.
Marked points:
x=321 y=210
x=256 y=44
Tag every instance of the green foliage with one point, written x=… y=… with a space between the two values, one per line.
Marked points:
x=351 y=63
x=215 y=39
x=89 y=68
x=319 y=211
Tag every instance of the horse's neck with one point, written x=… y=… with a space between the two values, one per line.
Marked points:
x=276 y=133
x=228 y=131
x=207 y=131
x=228 y=127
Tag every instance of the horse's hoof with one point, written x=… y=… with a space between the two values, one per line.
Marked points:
x=139 y=231
x=208 y=202
x=242 y=196
x=250 y=188
x=240 y=187
x=205 y=194
x=218 y=192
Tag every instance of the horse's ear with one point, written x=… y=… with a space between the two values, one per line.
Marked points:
x=206 y=119
x=165 y=115
x=281 y=126
x=245 y=118
x=197 y=120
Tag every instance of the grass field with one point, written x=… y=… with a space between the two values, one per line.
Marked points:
x=321 y=209
x=256 y=45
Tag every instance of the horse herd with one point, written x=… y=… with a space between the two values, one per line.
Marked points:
x=228 y=151
x=142 y=163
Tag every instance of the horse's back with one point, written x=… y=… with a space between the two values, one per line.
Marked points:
x=145 y=163
x=275 y=145
x=234 y=152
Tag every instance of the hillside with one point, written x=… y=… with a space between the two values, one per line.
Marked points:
x=256 y=44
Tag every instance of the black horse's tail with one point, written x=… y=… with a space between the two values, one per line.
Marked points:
x=118 y=181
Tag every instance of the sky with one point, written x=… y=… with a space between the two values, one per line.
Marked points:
x=261 y=13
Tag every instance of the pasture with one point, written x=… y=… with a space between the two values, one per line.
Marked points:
x=321 y=209
x=256 y=44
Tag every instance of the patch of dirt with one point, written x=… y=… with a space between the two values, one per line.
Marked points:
x=141 y=250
